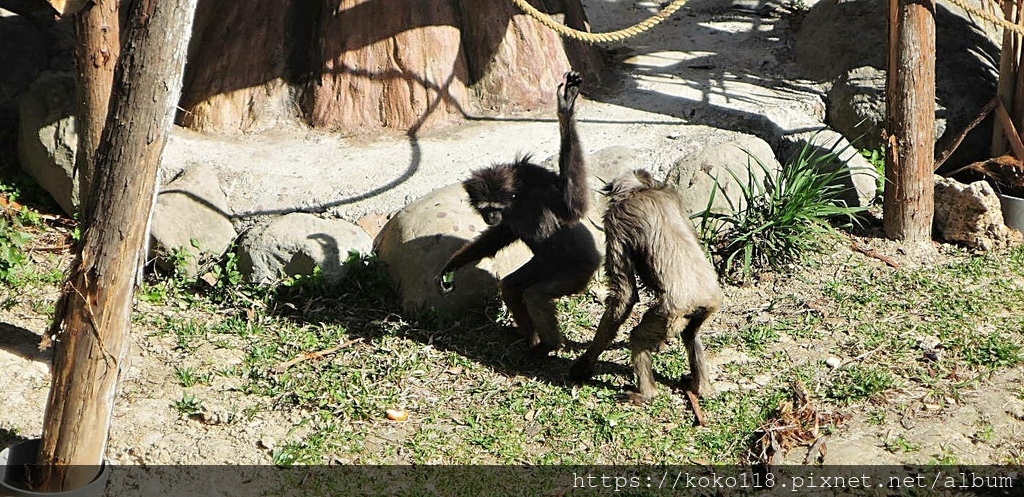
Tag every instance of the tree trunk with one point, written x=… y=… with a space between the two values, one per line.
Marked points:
x=93 y=317
x=910 y=99
x=359 y=65
x=97 y=47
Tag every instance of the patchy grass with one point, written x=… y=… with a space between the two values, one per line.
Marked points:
x=340 y=357
x=472 y=398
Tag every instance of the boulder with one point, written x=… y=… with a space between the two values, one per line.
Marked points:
x=856 y=107
x=297 y=243
x=838 y=36
x=971 y=215
x=191 y=214
x=47 y=142
x=23 y=54
x=695 y=175
x=856 y=175
x=418 y=240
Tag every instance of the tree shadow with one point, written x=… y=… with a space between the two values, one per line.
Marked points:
x=23 y=343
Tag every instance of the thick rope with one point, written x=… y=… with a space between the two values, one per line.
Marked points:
x=588 y=37
x=671 y=8
x=988 y=16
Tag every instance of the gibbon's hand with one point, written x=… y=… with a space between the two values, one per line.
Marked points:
x=568 y=91
x=444 y=282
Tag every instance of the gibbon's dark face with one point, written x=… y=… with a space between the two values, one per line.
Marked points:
x=491 y=212
x=491 y=191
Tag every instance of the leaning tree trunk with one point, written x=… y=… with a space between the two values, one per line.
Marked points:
x=365 y=64
x=94 y=313
x=910 y=99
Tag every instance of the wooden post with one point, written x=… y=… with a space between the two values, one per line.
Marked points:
x=93 y=317
x=910 y=99
x=97 y=48
x=1009 y=58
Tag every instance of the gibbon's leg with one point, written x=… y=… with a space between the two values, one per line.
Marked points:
x=644 y=340
x=617 y=308
x=512 y=295
x=556 y=278
x=700 y=382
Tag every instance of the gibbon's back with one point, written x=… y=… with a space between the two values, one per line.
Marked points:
x=653 y=225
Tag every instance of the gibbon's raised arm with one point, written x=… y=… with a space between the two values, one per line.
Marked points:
x=571 y=166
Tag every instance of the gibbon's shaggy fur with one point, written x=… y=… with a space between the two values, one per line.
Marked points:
x=525 y=201
x=649 y=235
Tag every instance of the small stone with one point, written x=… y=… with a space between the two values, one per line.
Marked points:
x=833 y=362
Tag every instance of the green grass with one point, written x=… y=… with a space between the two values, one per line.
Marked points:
x=472 y=397
x=780 y=218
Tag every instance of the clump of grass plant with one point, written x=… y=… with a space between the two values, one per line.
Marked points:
x=780 y=216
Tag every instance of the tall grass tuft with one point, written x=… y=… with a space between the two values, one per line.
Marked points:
x=779 y=219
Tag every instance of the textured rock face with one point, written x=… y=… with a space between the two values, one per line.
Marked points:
x=297 y=243
x=191 y=214
x=838 y=36
x=694 y=177
x=971 y=215
x=418 y=240
x=47 y=142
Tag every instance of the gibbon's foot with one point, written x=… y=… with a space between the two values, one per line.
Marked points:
x=540 y=351
x=580 y=372
x=703 y=389
x=634 y=398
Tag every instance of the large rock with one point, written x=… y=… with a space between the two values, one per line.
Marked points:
x=295 y=244
x=23 y=53
x=854 y=174
x=837 y=36
x=971 y=215
x=47 y=142
x=191 y=214
x=418 y=240
x=856 y=107
x=695 y=175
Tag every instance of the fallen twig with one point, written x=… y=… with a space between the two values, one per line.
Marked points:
x=871 y=252
x=860 y=357
x=816 y=454
x=698 y=414
x=280 y=368
x=985 y=111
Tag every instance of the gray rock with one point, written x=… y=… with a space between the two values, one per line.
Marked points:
x=695 y=175
x=856 y=175
x=296 y=243
x=418 y=240
x=856 y=107
x=971 y=215
x=837 y=36
x=191 y=214
x=47 y=142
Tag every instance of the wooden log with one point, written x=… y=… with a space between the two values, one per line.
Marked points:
x=93 y=318
x=1009 y=59
x=97 y=49
x=910 y=100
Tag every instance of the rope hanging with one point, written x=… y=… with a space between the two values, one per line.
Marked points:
x=671 y=8
x=988 y=16
x=588 y=37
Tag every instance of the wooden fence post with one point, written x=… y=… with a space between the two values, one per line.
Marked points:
x=910 y=101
